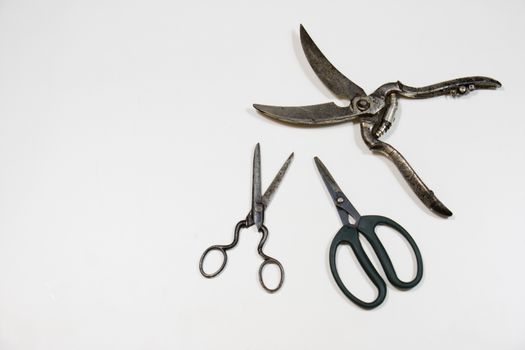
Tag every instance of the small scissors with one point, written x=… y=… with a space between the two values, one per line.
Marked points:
x=349 y=235
x=374 y=112
x=255 y=217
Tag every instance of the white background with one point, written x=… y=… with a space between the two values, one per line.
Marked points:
x=126 y=138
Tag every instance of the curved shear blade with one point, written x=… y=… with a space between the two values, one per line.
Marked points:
x=322 y=114
x=340 y=85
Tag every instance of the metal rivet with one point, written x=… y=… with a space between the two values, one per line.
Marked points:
x=462 y=89
x=340 y=200
x=471 y=87
x=363 y=104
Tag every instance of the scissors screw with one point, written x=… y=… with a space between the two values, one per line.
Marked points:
x=340 y=200
x=363 y=105
x=462 y=89
x=471 y=87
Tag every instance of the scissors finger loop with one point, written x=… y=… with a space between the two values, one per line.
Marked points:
x=222 y=248
x=267 y=261
x=203 y=257
x=348 y=235
x=368 y=225
x=273 y=261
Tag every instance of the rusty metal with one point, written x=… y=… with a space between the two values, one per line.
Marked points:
x=375 y=112
x=255 y=217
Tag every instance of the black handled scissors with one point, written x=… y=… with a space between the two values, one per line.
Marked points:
x=374 y=112
x=255 y=217
x=349 y=235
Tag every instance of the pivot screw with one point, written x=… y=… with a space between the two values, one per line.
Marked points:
x=462 y=89
x=363 y=105
x=340 y=200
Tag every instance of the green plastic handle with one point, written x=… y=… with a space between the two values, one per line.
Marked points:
x=349 y=235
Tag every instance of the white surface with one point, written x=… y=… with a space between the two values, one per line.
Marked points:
x=126 y=137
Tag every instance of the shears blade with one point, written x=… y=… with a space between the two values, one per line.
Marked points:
x=343 y=205
x=276 y=181
x=326 y=113
x=257 y=204
x=329 y=181
x=334 y=80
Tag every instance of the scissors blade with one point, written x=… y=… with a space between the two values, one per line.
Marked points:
x=326 y=113
x=276 y=182
x=339 y=198
x=340 y=85
x=257 y=205
x=329 y=181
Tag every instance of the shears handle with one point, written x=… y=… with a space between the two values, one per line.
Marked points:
x=367 y=226
x=268 y=260
x=349 y=235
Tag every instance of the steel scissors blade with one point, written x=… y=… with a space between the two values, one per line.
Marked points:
x=366 y=225
x=255 y=217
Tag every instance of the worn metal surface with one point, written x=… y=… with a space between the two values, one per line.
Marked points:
x=340 y=85
x=268 y=194
x=375 y=112
x=326 y=113
x=255 y=217
x=257 y=204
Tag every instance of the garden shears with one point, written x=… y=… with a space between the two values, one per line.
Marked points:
x=374 y=112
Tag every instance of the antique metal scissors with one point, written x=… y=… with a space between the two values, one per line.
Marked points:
x=349 y=235
x=255 y=217
x=374 y=112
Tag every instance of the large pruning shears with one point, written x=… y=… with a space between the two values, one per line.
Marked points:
x=374 y=112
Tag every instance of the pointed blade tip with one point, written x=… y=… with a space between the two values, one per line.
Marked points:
x=264 y=109
x=441 y=209
x=304 y=34
x=334 y=80
x=318 y=163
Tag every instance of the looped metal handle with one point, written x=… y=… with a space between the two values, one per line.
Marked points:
x=273 y=261
x=348 y=235
x=268 y=260
x=222 y=248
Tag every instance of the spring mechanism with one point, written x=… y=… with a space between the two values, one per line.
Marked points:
x=388 y=118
